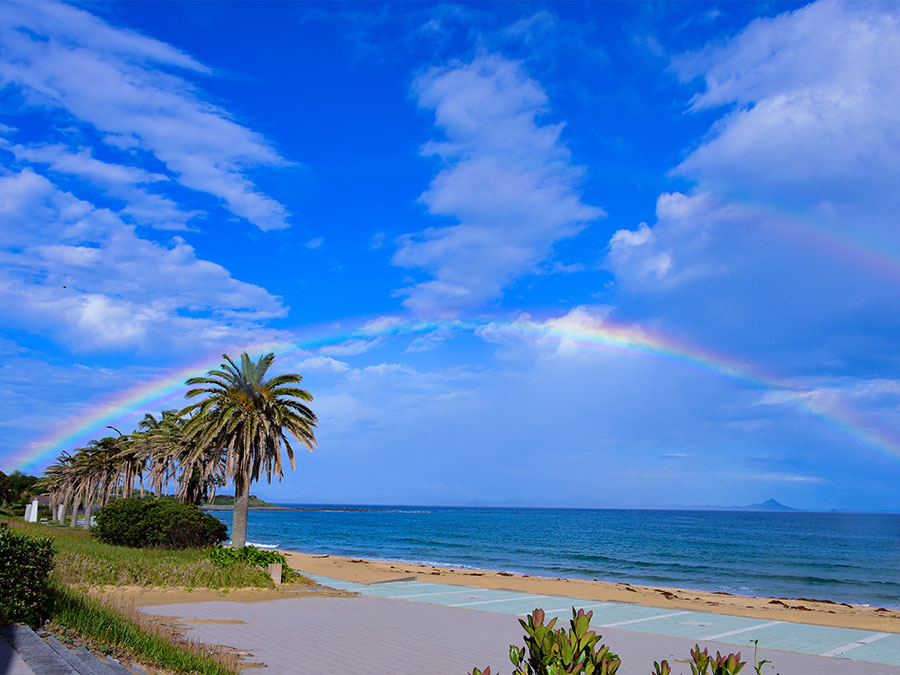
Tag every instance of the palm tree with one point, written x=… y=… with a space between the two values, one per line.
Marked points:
x=247 y=419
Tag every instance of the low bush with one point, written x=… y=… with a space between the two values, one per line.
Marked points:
x=25 y=563
x=157 y=523
x=250 y=555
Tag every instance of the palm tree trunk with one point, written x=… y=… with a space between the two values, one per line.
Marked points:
x=88 y=507
x=239 y=513
x=75 y=506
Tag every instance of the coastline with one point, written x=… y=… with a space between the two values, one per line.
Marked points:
x=797 y=610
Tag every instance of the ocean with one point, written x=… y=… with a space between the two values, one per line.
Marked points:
x=844 y=557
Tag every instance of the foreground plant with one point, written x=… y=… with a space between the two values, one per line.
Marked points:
x=554 y=651
x=25 y=563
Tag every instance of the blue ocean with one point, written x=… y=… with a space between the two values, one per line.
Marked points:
x=845 y=557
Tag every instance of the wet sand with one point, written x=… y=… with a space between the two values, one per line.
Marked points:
x=798 y=610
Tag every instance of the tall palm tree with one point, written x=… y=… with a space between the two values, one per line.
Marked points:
x=248 y=419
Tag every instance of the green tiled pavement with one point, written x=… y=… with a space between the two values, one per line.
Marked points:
x=701 y=626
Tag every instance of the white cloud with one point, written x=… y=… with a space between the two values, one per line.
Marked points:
x=782 y=251
x=507 y=181
x=314 y=243
x=321 y=364
x=117 y=81
x=124 y=182
x=99 y=286
x=774 y=477
x=814 y=97
x=350 y=347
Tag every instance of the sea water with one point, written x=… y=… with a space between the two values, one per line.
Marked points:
x=844 y=557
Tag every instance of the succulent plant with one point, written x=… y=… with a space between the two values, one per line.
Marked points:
x=701 y=661
x=552 y=651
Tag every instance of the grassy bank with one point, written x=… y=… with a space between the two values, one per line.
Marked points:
x=126 y=634
x=82 y=561
x=113 y=626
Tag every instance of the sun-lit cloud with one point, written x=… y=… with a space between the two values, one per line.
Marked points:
x=122 y=85
x=99 y=286
x=507 y=181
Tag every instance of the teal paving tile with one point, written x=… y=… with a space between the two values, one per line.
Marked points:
x=803 y=638
x=697 y=626
x=885 y=650
x=393 y=590
x=515 y=605
x=612 y=614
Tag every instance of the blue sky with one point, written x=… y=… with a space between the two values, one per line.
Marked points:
x=183 y=179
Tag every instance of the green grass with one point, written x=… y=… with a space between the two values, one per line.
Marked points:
x=113 y=626
x=83 y=561
x=114 y=633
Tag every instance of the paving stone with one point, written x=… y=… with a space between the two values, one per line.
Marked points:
x=39 y=656
x=10 y=662
x=380 y=636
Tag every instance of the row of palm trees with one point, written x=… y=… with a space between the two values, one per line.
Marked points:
x=234 y=428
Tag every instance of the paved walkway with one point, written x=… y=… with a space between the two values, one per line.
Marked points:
x=10 y=662
x=857 y=645
x=434 y=629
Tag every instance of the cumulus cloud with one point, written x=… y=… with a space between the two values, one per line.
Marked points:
x=507 y=181
x=122 y=85
x=780 y=252
x=812 y=98
x=127 y=183
x=100 y=286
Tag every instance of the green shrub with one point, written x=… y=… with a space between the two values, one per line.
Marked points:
x=549 y=650
x=157 y=523
x=25 y=563
x=250 y=555
x=555 y=651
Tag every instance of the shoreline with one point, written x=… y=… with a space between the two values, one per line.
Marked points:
x=796 y=610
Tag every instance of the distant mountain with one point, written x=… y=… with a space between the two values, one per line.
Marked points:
x=768 y=505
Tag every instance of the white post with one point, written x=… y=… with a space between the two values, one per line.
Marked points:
x=32 y=515
x=61 y=513
x=28 y=513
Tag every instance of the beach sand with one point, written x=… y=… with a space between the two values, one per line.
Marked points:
x=798 y=610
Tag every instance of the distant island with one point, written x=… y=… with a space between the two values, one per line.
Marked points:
x=768 y=505
x=226 y=502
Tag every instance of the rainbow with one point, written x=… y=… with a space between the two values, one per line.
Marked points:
x=167 y=389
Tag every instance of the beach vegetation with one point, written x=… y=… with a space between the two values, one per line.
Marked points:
x=157 y=523
x=251 y=555
x=25 y=565
x=82 y=561
x=247 y=419
x=703 y=664
x=551 y=651
x=577 y=651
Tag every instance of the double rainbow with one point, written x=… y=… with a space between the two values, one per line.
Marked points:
x=167 y=389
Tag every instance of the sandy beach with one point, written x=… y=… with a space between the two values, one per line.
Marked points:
x=799 y=610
